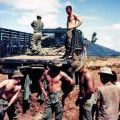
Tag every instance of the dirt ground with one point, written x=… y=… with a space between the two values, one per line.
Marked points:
x=71 y=111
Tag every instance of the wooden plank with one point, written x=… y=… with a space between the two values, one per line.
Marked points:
x=26 y=57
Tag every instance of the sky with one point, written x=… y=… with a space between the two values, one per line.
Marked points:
x=100 y=16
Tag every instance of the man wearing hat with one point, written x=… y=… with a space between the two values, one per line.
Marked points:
x=37 y=25
x=108 y=96
x=54 y=77
x=86 y=97
x=9 y=90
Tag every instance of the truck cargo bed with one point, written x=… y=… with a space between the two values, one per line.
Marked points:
x=9 y=64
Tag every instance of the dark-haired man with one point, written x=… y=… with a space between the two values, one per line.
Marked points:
x=73 y=22
x=108 y=96
x=37 y=36
x=9 y=90
x=54 y=77
x=86 y=97
x=114 y=80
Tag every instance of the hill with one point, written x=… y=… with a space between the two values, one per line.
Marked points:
x=98 y=50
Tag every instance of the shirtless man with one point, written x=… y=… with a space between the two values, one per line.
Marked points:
x=73 y=22
x=86 y=97
x=54 y=77
x=9 y=90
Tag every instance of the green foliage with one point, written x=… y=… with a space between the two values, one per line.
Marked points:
x=94 y=38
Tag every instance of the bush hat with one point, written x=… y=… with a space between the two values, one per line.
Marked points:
x=105 y=70
x=17 y=74
x=56 y=63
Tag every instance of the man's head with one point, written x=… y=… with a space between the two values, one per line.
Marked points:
x=56 y=63
x=69 y=9
x=105 y=70
x=105 y=74
x=77 y=65
x=17 y=75
x=39 y=17
x=74 y=57
x=55 y=67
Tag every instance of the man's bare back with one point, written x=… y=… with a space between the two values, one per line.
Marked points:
x=87 y=82
x=9 y=89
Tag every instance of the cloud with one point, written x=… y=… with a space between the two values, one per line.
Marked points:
x=28 y=9
x=50 y=20
x=109 y=36
x=24 y=20
x=32 y=4
x=90 y=18
x=83 y=0
x=109 y=43
x=68 y=3
x=115 y=26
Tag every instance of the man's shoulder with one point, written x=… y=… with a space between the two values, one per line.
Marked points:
x=76 y=15
x=62 y=73
x=107 y=88
x=5 y=81
x=87 y=75
x=34 y=21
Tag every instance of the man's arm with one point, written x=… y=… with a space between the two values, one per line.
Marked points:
x=67 y=23
x=89 y=81
x=42 y=86
x=32 y=24
x=78 y=21
x=14 y=98
x=42 y=25
x=98 y=97
x=67 y=78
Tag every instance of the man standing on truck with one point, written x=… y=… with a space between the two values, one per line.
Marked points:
x=9 y=90
x=37 y=36
x=54 y=77
x=73 y=22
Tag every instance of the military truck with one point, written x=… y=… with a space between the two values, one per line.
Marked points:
x=13 y=45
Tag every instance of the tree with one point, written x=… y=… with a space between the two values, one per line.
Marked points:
x=94 y=38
